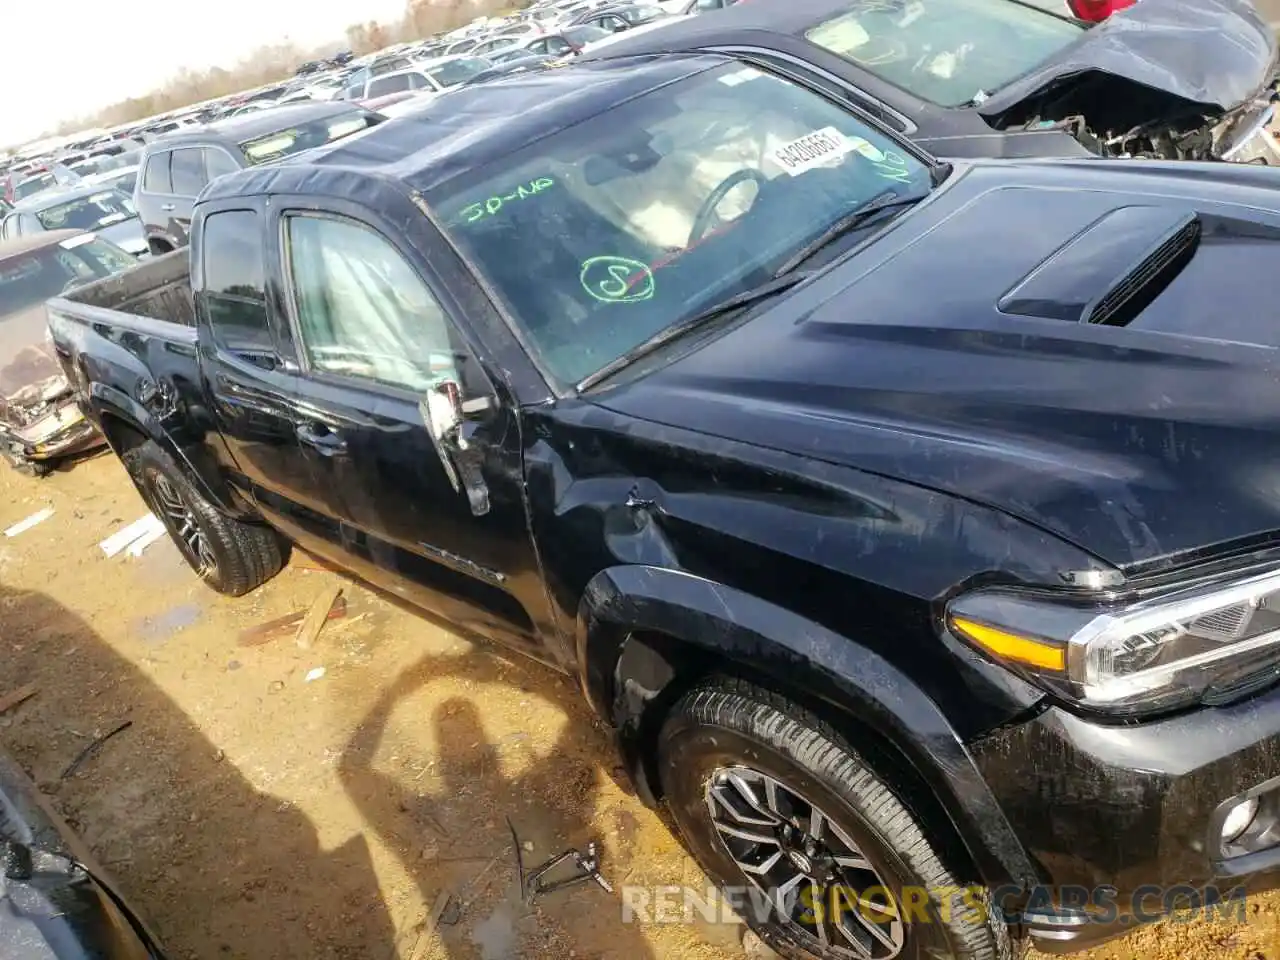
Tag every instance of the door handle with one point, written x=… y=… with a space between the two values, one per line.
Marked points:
x=325 y=440
x=168 y=207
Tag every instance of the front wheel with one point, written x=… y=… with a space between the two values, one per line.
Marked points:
x=231 y=556
x=804 y=838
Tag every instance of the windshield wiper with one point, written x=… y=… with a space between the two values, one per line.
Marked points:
x=746 y=298
x=847 y=224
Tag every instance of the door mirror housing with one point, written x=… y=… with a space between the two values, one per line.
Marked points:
x=452 y=419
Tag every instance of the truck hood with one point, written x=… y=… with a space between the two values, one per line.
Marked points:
x=959 y=351
x=1215 y=54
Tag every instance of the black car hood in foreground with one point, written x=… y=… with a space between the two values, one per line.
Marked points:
x=1213 y=53
x=51 y=906
x=1140 y=442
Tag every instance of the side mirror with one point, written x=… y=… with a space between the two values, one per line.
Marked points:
x=451 y=420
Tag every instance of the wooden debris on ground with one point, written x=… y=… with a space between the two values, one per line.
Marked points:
x=422 y=946
x=261 y=633
x=315 y=619
x=17 y=697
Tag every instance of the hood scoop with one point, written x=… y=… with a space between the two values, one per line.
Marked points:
x=1112 y=270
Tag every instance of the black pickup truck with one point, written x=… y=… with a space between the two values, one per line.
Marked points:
x=914 y=526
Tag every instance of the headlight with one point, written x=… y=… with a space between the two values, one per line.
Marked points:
x=1156 y=654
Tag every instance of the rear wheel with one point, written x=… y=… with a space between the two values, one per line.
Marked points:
x=824 y=859
x=231 y=556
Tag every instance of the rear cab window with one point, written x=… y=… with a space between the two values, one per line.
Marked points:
x=233 y=292
x=949 y=52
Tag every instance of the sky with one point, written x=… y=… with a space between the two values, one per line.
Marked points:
x=86 y=54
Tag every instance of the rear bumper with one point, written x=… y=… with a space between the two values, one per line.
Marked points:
x=1127 y=822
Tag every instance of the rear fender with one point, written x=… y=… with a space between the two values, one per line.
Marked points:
x=109 y=406
x=647 y=634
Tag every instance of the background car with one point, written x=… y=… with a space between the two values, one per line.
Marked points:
x=494 y=44
x=123 y=179
x=1002 y=78
x=440 y=74
x=566 y=42
x=621 y=17
x=522 y=64
x=39 y=421
x=32 y=184
x=176 y=168
x=86 y=208
x=1095 y=11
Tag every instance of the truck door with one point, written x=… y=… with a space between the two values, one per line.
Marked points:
x=250 y=380
x=381 y=352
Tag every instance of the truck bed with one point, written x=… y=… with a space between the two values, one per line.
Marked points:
x=137 y=327
x=158 y=288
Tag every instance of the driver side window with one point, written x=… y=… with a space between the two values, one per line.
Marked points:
x=362 y=310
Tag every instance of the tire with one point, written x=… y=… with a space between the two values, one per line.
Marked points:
x=723 y=736
x=231 y=556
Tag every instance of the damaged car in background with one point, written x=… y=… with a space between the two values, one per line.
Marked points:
x=39 y=420
x=1166 y=79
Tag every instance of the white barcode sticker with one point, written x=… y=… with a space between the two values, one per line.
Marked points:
x=813 y=150
x=739 y=76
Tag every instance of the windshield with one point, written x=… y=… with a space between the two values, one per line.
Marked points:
x=33 y=185
x=92 y=212
x=31 y=278
x=457 y=71
x=601 y=235
x=949 y=52
x=305 y=136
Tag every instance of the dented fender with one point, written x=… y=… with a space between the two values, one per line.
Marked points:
x=696 y=623
x=106 y=402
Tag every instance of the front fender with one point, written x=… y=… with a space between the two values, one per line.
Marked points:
x=627 y=679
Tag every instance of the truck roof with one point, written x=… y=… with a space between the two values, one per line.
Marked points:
x=462 y=129
x=35 y=241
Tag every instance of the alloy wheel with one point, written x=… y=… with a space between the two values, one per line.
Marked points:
x=182 y=521
x=815 y=876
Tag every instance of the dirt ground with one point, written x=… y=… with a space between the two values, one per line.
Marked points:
x=251 y=812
